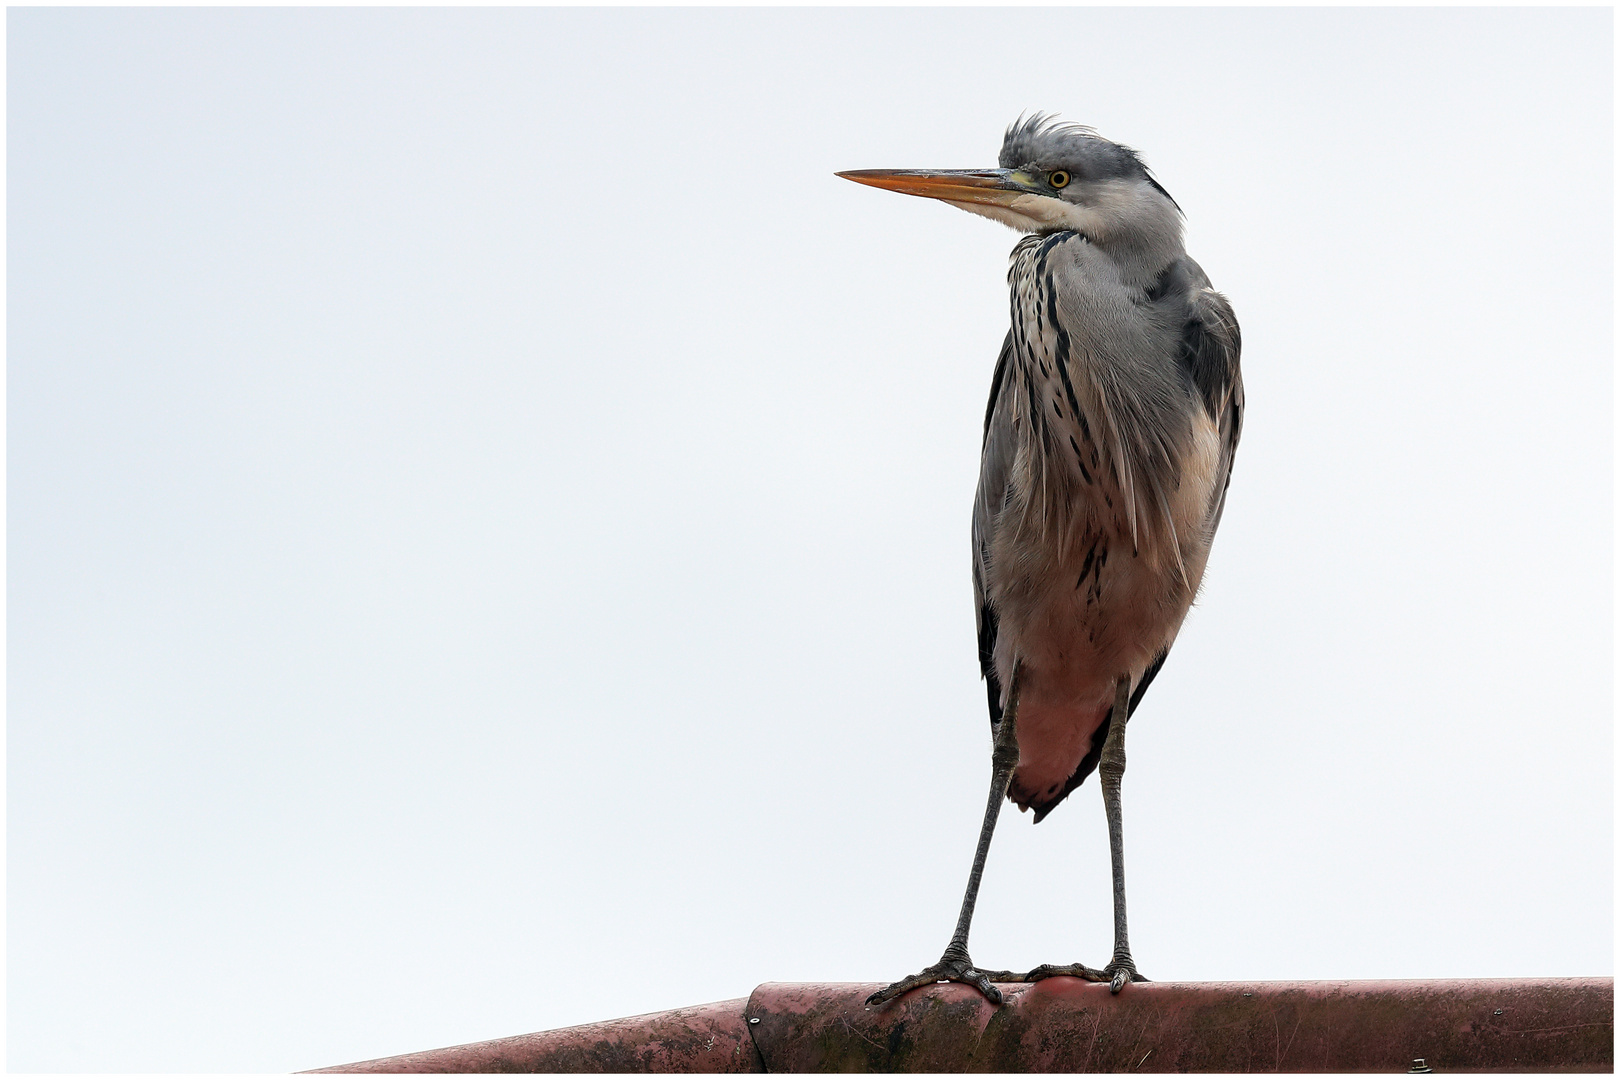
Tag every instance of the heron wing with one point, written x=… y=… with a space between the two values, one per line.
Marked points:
x=995 y=465
x=1211 y=345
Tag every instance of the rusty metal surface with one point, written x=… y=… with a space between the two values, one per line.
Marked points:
x=1065 y=1025
x=704 y=1038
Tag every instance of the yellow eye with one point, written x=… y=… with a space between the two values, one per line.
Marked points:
x=1059 y=179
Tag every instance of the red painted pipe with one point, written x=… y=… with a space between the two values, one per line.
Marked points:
x=701 y=1038
x=1065 y=1025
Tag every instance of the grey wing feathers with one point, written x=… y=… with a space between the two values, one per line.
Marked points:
x=994 y=465
x=1211 y=344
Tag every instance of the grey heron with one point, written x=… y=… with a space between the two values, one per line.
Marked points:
x=1114 y=416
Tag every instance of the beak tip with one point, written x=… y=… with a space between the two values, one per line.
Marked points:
x=878 y=178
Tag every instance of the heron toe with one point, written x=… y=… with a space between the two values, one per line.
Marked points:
x=961 y=971
x=1115 y=975
x=1077 y=971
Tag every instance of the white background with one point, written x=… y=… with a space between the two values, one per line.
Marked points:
x=489 y=514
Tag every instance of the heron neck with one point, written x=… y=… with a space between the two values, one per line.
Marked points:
x=1137 y=226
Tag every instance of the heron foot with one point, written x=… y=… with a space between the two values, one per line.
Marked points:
x=1116 y=974
x=949 y=969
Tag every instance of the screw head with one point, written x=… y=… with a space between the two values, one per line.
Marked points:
x=753 y=1019
x=1419 y=1066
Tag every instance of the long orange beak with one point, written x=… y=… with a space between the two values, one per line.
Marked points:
x=995 y=186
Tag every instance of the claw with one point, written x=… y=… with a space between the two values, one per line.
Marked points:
x=1004 y=976
x=1122 y=974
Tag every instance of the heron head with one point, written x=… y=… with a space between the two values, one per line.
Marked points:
x=1054 y=176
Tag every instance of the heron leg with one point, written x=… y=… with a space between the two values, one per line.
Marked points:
x=955 y=965
x=1110 y=771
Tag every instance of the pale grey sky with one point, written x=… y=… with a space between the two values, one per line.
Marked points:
x=488 y=522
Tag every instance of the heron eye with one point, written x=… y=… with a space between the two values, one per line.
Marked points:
x=1059 y=179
